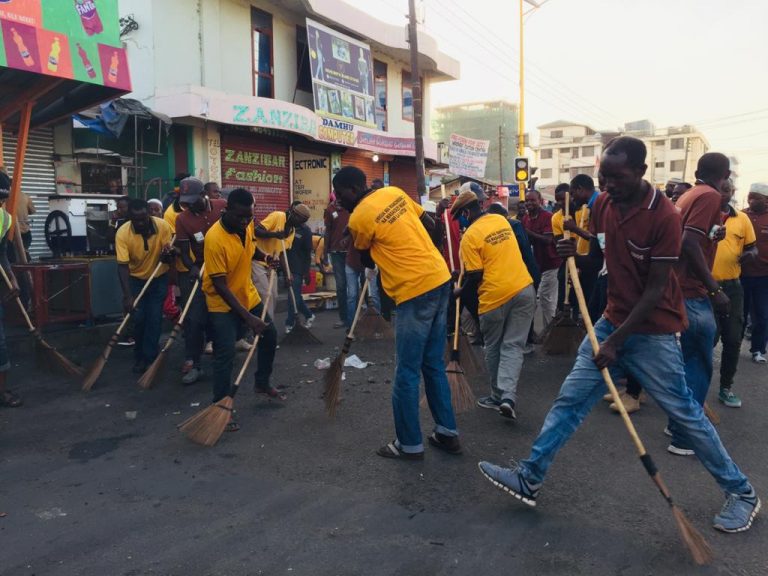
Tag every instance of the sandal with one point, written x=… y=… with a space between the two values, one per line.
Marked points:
x=271 y=392
x=10 y=400
x=232 y=427
x=449 y=444
x=392 y=451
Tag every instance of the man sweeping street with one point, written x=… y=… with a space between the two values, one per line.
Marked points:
x=140 y=245
x=754 y=275
x=191 y=227
x=232 y=298
x=493 y=265
x=642 y=232
x=390 y=230
x=8 y=399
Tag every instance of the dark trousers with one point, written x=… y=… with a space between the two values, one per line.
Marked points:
x=387 y=304
x=148 y=317
x=756 y=306
x=730 y=332
x=226 y=328
x=298 y=282
x=196 y=321
x=338 y=263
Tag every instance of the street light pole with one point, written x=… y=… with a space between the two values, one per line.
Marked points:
x=421 y=185
x=521 y=106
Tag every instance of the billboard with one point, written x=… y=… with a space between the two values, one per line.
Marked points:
x=72 y=39
x=342 y=76
x=312 y=185
x=467 y=156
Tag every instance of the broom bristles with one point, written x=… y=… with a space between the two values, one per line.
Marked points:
x=462 y=398
x=698 y=547
x=333 y=384
x=148 y=378
x=57 y=358
x=94 y=373
x=466 y=351
x=300 y=336
x=207 y=426
x=373 y=326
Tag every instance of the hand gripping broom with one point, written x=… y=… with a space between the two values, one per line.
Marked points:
x=333 y=375
x=207 y=426
x=56 y=357
x=147 y=379
x=300 y=334
x=694 y=541
x=98 y=365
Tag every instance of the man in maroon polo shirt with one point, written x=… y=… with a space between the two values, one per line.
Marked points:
x=538 y=225
x=641 y=232
x=336 y=245
x=702 y=218
x=191 y=227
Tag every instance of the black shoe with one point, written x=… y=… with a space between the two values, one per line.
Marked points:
x=445 y=443
x=507 y=409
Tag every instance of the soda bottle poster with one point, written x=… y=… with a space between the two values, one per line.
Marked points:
x=342 y=76
x=73 y=39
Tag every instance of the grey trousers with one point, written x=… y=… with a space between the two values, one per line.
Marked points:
x=260 y=277
x=505 y=331
x=548 y=289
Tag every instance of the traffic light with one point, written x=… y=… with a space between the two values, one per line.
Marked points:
x=522 y=170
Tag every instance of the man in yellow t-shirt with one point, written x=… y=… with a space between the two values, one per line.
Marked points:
x=738 y=245
x=276 y=226
x=232 y=298
x=494 y=266
x=390 y=230
x=8 y=399
x=141 y=244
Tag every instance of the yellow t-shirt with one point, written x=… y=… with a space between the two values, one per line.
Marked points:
x=386 y=222
x=274 y=222
x=557 y=223
x=140 y=255
x=582 y=221
x=226 y=254
x=170 y=216
x=739 y=232
x=489 y=244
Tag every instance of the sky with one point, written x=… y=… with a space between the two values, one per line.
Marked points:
x=607 y=62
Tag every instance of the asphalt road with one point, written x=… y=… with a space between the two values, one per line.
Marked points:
x=86 y=491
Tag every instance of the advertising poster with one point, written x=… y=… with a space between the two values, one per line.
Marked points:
x=312 y=185
x=467 y=156
x=342 y=76
x=73 y=39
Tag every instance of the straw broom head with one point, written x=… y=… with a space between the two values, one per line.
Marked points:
x=207 y=426
x=98 y=365
x=698 y=547
x=55 y=357
x=300 y=336
x=372 y=326
x=333 y=380
x=462 y=397
x=147 y=379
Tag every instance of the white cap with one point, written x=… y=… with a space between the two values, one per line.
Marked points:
x=759 y=188
x=155 y=201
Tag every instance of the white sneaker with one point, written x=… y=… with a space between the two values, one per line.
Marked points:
x=209 y=347
x=242 y=345
x=310 y=321
x=677 y=451
x=758 y=358
x=288 y=329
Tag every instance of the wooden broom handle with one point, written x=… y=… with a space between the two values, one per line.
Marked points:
x=567 y=236
x=8 y=283
x=596 y=348
x=458 y=311
x=191 y=296
x=290 y=288
x=447 y=232
x=360 y=301
x=243 y=368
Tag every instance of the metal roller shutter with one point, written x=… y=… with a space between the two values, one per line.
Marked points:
x=362 y=160
x=402 y=173
x=38 y=180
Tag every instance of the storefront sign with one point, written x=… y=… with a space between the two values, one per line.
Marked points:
x=384 y=143
x=275 y=115
x=337 y=132
x=312 y=185
x=342 y=75
x=74 y=39
x=467 y=156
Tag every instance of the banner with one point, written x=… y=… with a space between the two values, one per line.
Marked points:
x=342 y=75
x=312 y=185
x=467 y=156
x=73 y=39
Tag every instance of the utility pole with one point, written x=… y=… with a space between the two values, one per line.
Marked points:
x=501 y=156
x=521 y=109
x=413 y=41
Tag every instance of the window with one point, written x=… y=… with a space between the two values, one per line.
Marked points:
x=574 y=153
x=407 y=96
x=303 y=72
x=588 y=151
x=676 y=165
x=546 y=154
x=546 y=173
x=563 y=170
x=380 y=94
x=556 y=134
x=677 y=143
x=564 y=150
x=263 y=78
x=659 y=164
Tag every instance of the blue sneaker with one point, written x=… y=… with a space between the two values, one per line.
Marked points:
x=738 y=512
x=489 y=402
x=511 y=481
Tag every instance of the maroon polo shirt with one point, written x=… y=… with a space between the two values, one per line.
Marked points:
x=544 y=252
x=649 y=232
x=336 y=220
x=700 y=212
x=759 y=265
x=193 y=227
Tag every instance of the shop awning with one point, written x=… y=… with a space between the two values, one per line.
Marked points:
x=111 y=117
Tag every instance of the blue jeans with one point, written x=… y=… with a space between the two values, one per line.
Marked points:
x=338 y=260
x=420 y=342
x=696 y=343
x=655 y=360
x=148 y=317
x=353 y=293
x=298 y=282
x=756 y=306
x=5 y=362
x=227 y=328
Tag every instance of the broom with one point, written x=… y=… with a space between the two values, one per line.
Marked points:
x=693 y=540
x=150 y=374
x=300 y=335
x=98 y=365
x=56 y=357
x=207 y=426
x=372 y=325
x=462 y=397
x=333 y=375
x=563 y=335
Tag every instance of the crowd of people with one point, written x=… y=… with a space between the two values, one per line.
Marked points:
x=666 y=274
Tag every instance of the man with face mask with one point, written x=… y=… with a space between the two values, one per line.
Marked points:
x=642 y=233
x=390 y=230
